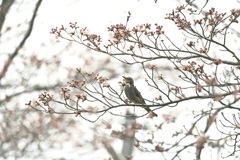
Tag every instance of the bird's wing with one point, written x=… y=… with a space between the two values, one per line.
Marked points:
x=138 y=94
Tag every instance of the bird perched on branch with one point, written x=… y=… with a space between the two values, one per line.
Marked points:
x=134 y=95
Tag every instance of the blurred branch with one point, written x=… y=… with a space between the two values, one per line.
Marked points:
x=6 y=4
x=110 y=150
x=21 y=44
x=32 y=89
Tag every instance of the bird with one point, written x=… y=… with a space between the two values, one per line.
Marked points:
x=134 y=95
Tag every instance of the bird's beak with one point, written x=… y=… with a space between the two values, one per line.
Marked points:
x=124 y=77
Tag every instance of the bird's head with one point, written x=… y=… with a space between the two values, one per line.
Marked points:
x=128 y=80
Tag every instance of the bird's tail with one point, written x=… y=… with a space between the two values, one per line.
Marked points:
x=150 y=112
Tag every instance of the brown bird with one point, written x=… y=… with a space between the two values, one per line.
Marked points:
x=134 y=95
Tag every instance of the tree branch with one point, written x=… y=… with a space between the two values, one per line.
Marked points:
x=21 y=44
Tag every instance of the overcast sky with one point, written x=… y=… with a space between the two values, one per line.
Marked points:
x=97 y=15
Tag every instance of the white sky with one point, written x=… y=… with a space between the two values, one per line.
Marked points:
x=97 y=15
